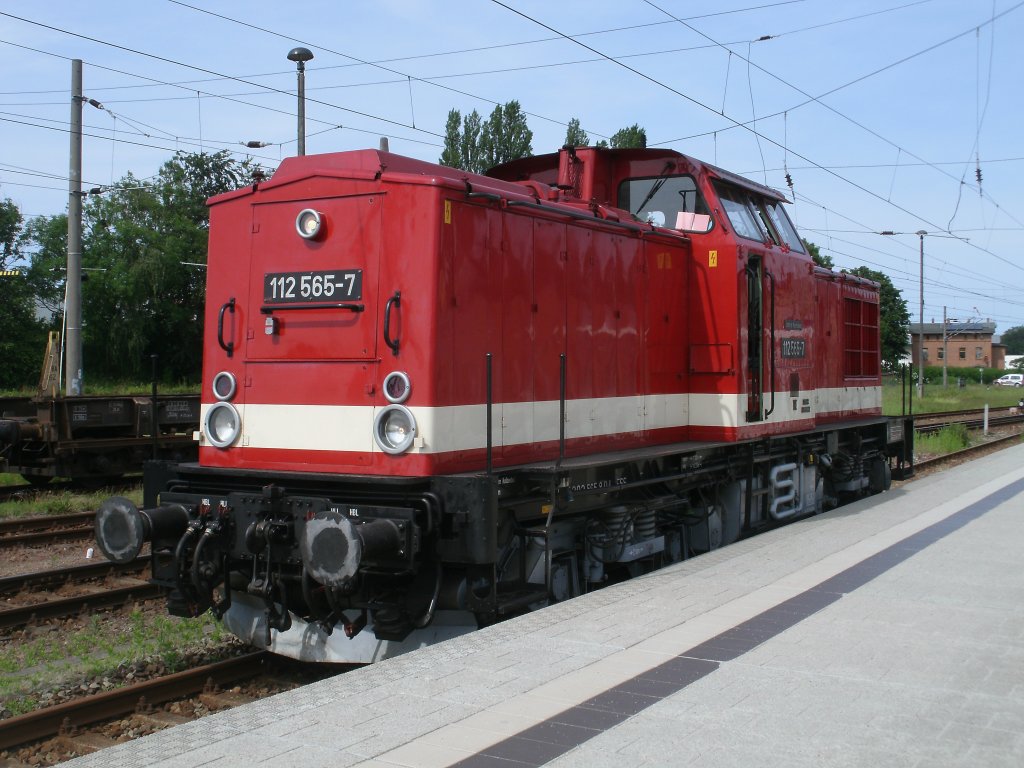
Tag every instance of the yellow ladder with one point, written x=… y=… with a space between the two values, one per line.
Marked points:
x=49 y=380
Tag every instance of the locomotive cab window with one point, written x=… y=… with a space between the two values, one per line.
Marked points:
x=666 y=201
x=740 y=213
x=783 y=227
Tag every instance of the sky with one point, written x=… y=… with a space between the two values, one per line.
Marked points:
x=882 y=112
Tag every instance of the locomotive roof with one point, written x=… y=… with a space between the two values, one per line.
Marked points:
x=372 y=162
x=365 y=163
x=537 y=166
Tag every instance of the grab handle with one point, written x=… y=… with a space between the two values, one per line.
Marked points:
x=771 y=380
x=228 y=347
x=395 y=300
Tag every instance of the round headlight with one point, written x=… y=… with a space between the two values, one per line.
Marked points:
x=397 y=387
x=308 y=223
x=222 y=424
x=224 y=385
x=394 y=429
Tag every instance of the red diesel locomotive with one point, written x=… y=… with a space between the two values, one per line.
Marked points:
x=432 y=399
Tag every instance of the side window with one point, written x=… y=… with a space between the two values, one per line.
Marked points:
x=737 y=208
x=780 y=221
x=666 y=201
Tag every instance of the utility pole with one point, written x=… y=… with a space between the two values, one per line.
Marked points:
x=945 y=350
x=920 y=318
x=73 y=278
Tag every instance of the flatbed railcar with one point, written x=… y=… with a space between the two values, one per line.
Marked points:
x=94 y=438
x=432 y=399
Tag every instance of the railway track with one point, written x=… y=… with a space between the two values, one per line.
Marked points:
x=973 y=419
x=77 y=574
x=105 y=597
x=967 y=453
x=50 y=722
x=46 y=529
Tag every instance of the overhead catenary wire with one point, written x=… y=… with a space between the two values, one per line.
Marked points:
x=917 y=216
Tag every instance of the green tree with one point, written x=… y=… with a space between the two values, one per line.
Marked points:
x=816 y=256
x=505 y=135
x=576 y=136
x=633 y=137
x=452 y=153
x=144 y=249
x=46 y=239
x=480 y=144
x=893 y=317
x=1013 y=338
x=23 y=338
x=472 y=153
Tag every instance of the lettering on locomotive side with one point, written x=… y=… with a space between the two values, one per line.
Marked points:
x=793 y=348
x=598 y=484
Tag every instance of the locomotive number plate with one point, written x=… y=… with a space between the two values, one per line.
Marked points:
x=300 y=287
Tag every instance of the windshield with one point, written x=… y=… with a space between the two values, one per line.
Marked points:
x=666 y=201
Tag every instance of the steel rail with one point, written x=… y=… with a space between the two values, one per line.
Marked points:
x=46 y=537
x=21 y=615
x=74 y=574
x=108 y=705
x=993 y=421
x=44 y=522
x=966 y=452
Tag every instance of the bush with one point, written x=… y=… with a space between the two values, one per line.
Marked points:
x=933 y=374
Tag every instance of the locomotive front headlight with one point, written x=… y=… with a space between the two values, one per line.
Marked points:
x=309 y=223
x=397 y=387
x=224 y=385
x=394 y=429
x=222 y=424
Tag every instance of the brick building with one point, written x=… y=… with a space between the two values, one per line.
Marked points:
x=970 y=344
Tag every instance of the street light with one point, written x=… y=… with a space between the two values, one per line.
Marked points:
x=300 y=56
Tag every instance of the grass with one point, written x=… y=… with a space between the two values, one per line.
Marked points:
x=952 y=398
x=63 y=502
x=118 y=388
x=947 y=440
x=32 y=668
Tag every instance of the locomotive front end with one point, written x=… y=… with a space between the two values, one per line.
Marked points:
x=312 y=499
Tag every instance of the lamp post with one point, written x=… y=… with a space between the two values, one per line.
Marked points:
x=920 y=320
x=300 y=56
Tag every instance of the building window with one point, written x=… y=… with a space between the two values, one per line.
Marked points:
x=941 y=352
x=978 y=353
x=963 y=353
x=924 y=354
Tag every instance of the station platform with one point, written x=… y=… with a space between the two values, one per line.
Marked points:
x=886 y=633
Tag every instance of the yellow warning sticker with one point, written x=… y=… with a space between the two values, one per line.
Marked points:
x=447 y=211
x=712 y=258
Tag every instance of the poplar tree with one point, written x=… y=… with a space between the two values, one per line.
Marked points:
x=576 y=136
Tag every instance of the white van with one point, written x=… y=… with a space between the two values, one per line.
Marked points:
x=1011 y=380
